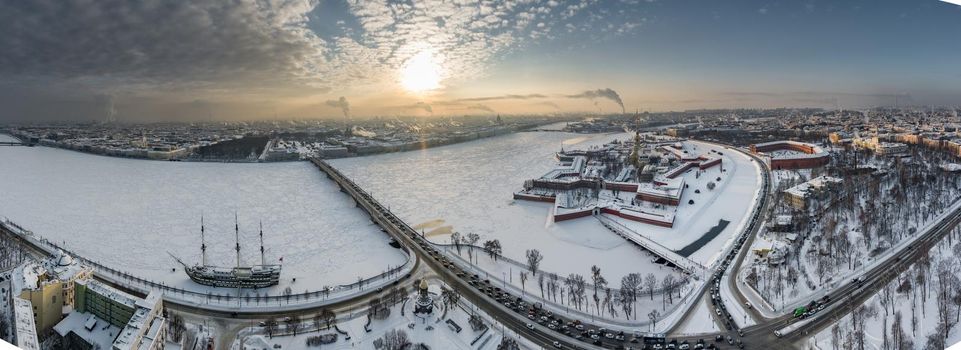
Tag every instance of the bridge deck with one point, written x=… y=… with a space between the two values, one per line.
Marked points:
x=685 y=264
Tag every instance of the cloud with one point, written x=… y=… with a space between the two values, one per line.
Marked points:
x=340 y=103
x=159 y=42
x=606 y=93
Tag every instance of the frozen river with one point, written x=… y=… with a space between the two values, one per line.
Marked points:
x=468 y=188
x=129 y=213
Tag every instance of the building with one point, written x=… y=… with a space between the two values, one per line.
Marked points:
x=662 y=190
x=104 y=314
x=49 y=286
x=791 y=154
x=25 y=330
x=817 y=188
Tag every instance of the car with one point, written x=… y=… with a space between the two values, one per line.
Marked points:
x=595 y=336
x=719 y=338
x=684 y=346
x=718 y=311
x=557 y=345
x=609 y=335
x=530 y=326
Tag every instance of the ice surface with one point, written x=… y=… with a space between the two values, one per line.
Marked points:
x=470 y=187
x=129 y=213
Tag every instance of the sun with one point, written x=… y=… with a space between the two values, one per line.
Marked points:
x=421 y=73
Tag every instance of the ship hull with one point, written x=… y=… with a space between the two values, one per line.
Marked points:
x=241 y=277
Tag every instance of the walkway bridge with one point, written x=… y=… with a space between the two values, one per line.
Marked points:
x=685 y=264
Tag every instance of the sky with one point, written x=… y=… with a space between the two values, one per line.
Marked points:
x=147 y=60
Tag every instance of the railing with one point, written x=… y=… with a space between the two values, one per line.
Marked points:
x=229 y=299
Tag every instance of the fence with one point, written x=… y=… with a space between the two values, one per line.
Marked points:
x=230 y=299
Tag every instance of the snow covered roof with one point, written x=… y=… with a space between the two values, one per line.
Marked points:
x=142 y=325
x=101 y=334
x=804 y=189
x=110 y=292
x=669 y=187
x=26 y=329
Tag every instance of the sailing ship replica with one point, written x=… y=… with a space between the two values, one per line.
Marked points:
x=256 y=276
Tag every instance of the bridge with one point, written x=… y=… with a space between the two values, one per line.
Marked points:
x=687 y=265
x=480 y=292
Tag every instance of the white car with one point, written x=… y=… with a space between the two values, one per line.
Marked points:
x=530 y=326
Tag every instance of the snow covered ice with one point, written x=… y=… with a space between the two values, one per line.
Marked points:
x=127 y=214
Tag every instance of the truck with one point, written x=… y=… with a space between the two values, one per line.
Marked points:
x=798 y=312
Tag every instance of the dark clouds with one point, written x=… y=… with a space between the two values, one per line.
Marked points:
x=157 y=41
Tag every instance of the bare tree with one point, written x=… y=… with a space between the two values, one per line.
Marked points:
x=293 y=323
x=396 y=339
x=175 y=327
x=653 y=315
x=650 y=282
x=493 y=248
x=534 y=258
x=449 y=297
x=540 y=283
x=471 y=239
x=523 y=276
x=455 y=239
x=270 y=325
x=508 y=343
x=328 y=316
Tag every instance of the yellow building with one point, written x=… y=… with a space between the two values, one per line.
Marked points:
x=49 y=286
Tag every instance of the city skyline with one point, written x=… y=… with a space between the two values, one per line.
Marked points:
x=331 y=59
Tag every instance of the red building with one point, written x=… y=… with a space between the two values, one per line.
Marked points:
x=811 y=156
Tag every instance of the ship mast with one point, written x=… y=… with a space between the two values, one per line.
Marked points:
x=203 y=244
x=262 y=260
x=237 y=238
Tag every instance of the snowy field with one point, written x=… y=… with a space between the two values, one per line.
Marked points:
x=129 y=213
x=731 y=201
x=469 y=187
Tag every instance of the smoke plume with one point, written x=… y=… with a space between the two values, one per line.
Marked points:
x=421 y=105
x=340 y=103
x=481 y=107
x=606 y=93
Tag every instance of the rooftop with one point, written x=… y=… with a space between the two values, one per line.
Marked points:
x=26 y=329
x=100 y=333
